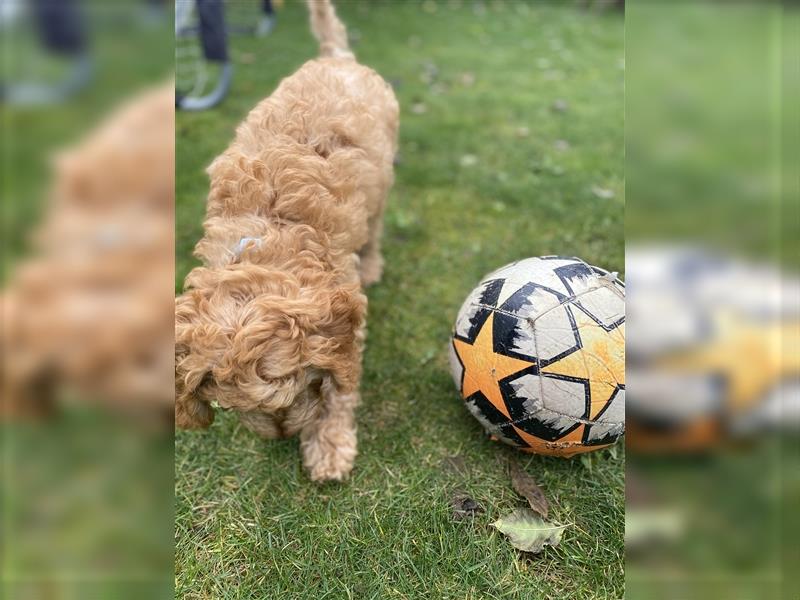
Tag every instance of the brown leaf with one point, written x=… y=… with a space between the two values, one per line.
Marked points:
x=527 y=488
x=464 y=506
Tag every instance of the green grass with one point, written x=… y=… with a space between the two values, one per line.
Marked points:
x=249 y=523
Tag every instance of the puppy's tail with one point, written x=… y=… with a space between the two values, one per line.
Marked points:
x=328 y=29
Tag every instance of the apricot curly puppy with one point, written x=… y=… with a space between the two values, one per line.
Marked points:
x=272 y=325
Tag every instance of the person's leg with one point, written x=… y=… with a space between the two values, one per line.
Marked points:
x=267 y=23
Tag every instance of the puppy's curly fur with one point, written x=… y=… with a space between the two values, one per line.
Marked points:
x=272 y=325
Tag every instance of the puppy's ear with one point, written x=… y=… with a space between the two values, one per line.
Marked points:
x=335 y=345
x=191 y=368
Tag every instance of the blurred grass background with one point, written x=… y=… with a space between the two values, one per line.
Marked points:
x=511 y=146
x=708 y=122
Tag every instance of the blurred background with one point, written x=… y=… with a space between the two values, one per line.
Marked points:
x=712 y=234
x=87 y=107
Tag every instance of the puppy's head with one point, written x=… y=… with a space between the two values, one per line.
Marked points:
x=264 y=343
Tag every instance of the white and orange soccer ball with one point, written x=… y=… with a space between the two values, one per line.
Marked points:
x=538 y=354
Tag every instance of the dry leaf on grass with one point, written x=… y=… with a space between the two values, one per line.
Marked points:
x=527 y=532
x=527 y=488
x=464 y=506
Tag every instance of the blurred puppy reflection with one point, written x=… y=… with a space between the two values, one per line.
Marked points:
x=89 y=316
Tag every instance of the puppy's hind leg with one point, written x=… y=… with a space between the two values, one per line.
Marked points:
x=329 y=441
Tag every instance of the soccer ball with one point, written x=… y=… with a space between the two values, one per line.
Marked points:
x=538 y=355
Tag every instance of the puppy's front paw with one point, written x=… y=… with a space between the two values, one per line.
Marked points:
x=327 y=460
x=333 y=467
